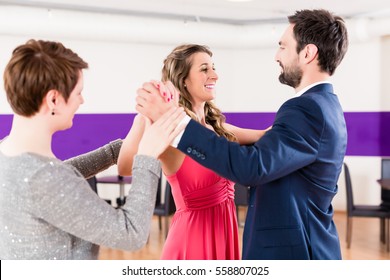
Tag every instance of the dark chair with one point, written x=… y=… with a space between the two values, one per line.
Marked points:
x=385 y=193
x=118 y=180
x=241 y=198
x=368 y=211
x=385 y=174
x=93 y=184
x=165 y=206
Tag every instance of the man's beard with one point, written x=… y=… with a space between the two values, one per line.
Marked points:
x=291 y=76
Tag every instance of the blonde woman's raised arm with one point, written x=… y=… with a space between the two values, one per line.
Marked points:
x=130 y=146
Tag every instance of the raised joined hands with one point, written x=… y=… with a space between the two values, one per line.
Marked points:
x=159 y=135
x=156 y=98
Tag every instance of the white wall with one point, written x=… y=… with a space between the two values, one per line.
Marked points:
x=122 y=58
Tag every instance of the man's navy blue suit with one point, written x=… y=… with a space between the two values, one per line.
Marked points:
x=293 y=172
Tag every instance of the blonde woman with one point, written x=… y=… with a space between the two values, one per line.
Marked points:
x=204 y=225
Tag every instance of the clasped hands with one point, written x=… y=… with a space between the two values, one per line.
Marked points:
x=158 y=102
x=155 y=98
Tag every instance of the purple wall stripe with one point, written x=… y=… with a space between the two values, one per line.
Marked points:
x=368 y=132
x=89 y=131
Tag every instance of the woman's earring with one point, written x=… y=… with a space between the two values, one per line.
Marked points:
x=52 y=113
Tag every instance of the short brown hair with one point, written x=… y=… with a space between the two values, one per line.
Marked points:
x=37 y=67
x=325 y=30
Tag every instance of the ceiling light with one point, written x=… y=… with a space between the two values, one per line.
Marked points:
x=239 y=0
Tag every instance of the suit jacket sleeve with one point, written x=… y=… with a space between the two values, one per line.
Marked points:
x=291 y=144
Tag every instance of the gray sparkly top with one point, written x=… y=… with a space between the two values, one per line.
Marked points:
x=49 y=211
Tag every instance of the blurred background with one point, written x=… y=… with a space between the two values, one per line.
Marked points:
x=125 y=43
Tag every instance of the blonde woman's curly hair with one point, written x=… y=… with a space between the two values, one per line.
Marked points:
x=176 y=68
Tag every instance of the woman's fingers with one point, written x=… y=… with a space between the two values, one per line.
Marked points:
x=160 y=134
x=174 y=93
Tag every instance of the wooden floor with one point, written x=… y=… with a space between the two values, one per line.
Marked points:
x=365 y=242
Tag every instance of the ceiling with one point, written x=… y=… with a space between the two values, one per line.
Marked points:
x=238 y=12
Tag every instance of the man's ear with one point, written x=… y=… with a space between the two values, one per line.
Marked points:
x=310 y=52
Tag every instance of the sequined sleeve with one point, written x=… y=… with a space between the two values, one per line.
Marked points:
x=91 y=163
x=66 y=201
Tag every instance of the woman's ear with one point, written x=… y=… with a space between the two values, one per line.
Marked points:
x=51 y=100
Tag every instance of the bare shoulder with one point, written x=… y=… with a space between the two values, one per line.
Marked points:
x=171 y=160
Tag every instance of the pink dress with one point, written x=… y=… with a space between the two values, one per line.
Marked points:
x=204 y=226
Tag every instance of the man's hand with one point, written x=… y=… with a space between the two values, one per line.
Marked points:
x=156 y=98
